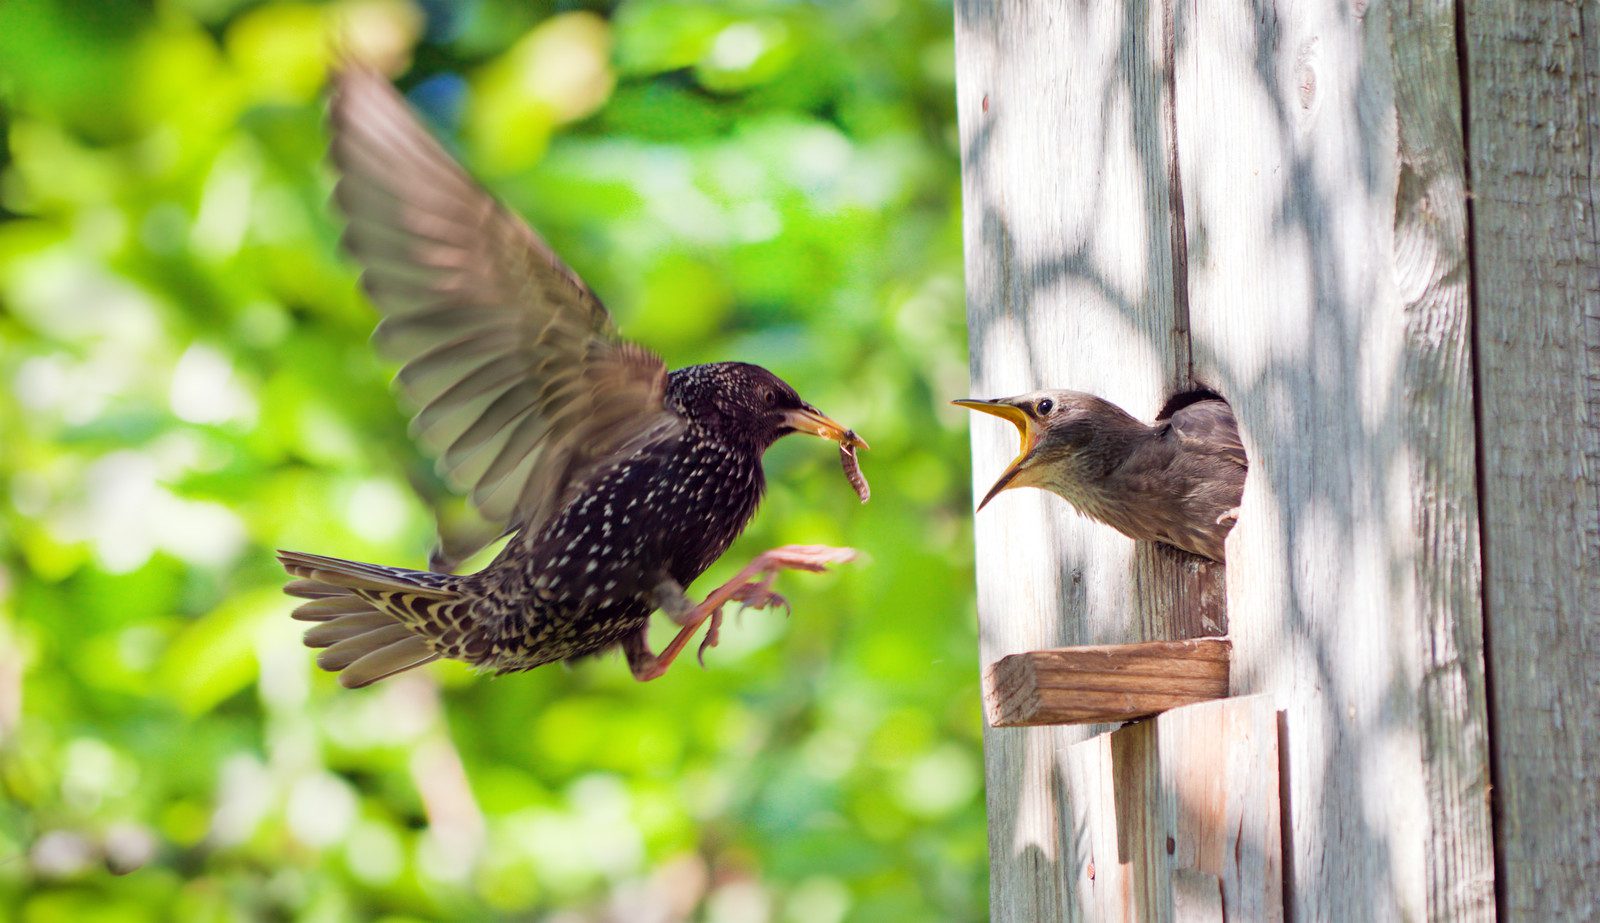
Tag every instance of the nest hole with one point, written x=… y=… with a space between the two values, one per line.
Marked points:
x=1183 y=399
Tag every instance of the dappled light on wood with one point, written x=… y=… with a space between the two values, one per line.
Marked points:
x=1266 y=203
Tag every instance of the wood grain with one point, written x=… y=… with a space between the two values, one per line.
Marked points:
x=1533 y=72
x=1319 y=145
x=1072 y=252
x=1432 y=279
x=1267 y=200
x=1103 y=684
x=1118 y=873
x=1176 y=817
x=1196 y=897
x=1217 y=765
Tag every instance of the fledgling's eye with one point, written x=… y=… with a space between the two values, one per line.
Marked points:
x=771 y=397
x=1045 y=406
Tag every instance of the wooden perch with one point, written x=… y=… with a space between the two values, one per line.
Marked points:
x=1104 y=683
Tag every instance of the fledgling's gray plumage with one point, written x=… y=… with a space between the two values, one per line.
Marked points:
x=1178 y=481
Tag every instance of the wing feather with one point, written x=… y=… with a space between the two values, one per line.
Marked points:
x=1209 y=426
x=522 y=383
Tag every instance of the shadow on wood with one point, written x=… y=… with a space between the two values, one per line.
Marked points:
x=1181 y=816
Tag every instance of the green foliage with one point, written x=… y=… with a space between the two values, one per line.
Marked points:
x=185 y=385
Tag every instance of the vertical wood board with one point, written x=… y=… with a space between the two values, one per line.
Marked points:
x=1319 y=146
x=1217 y=766
x=1533 y=74
x=1196 y=897
x=1176 y=817
x=1274 y=211
x=1070 y=245
x=1118 y=875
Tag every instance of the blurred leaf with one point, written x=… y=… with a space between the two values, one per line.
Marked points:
x=186 y=383
x=557 y=73
x=214 y=657
x=282 y=50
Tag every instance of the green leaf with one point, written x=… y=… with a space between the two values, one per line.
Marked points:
x=214 y=657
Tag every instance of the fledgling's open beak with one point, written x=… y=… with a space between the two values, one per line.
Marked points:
x=809 y=419
x=1025 y=426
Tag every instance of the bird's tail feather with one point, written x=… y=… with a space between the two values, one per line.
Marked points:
x=352 y=605
x=321 y=575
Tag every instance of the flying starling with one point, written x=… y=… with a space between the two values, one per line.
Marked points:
x=1178 y=482
x=619 y=482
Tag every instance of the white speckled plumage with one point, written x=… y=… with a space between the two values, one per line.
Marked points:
x=615 y=478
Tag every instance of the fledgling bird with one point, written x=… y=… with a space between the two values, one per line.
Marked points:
x=619 y=482
x=1178 y=482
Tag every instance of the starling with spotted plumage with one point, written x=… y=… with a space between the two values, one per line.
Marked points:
x=1178 y=482
x=619 y=482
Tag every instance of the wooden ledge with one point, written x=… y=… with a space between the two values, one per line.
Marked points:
x=1104 y=683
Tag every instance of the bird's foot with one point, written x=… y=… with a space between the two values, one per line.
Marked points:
x=1229 y=518
x=758 y=594
x=710 y=640
x=751 y=586
x=814 y=558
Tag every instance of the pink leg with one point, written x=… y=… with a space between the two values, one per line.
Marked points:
x=750 y=586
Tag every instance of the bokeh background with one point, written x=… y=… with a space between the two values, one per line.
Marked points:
x=185 y=384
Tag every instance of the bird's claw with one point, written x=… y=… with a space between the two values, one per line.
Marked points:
x=752 y=588
x=758 y=594
x=1229 y=518
x=710 y=640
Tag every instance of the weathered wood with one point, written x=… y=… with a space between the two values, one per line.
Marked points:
x=1117 y=869
x=1433 y=280
x=1196 y=897
x=1217 y=766
x=1278 y=206
x=1319 y=145
x=1176 y=817
x=1072 y=253
x=1533 y=73
x=1103 y=683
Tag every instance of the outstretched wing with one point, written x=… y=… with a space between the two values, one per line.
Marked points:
x=523 y=384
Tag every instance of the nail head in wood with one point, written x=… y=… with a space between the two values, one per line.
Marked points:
x=1104 y=683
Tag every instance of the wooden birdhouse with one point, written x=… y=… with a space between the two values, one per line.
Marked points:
x=1372 y=229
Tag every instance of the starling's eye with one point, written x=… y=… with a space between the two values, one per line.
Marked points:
x=1045 y=406
x=771 y=397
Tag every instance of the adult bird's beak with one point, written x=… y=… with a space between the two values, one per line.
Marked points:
x=1024 y=424
x=809 y=419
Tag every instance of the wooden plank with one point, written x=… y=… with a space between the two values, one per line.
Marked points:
x=1533 y=73
x=1072 y=253
x=1196 y=897
x=1322 y=183
x=1104 y=683
x=1217 y=766
x=1118 y=871
x=1177 y=817
x=1432 y=276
